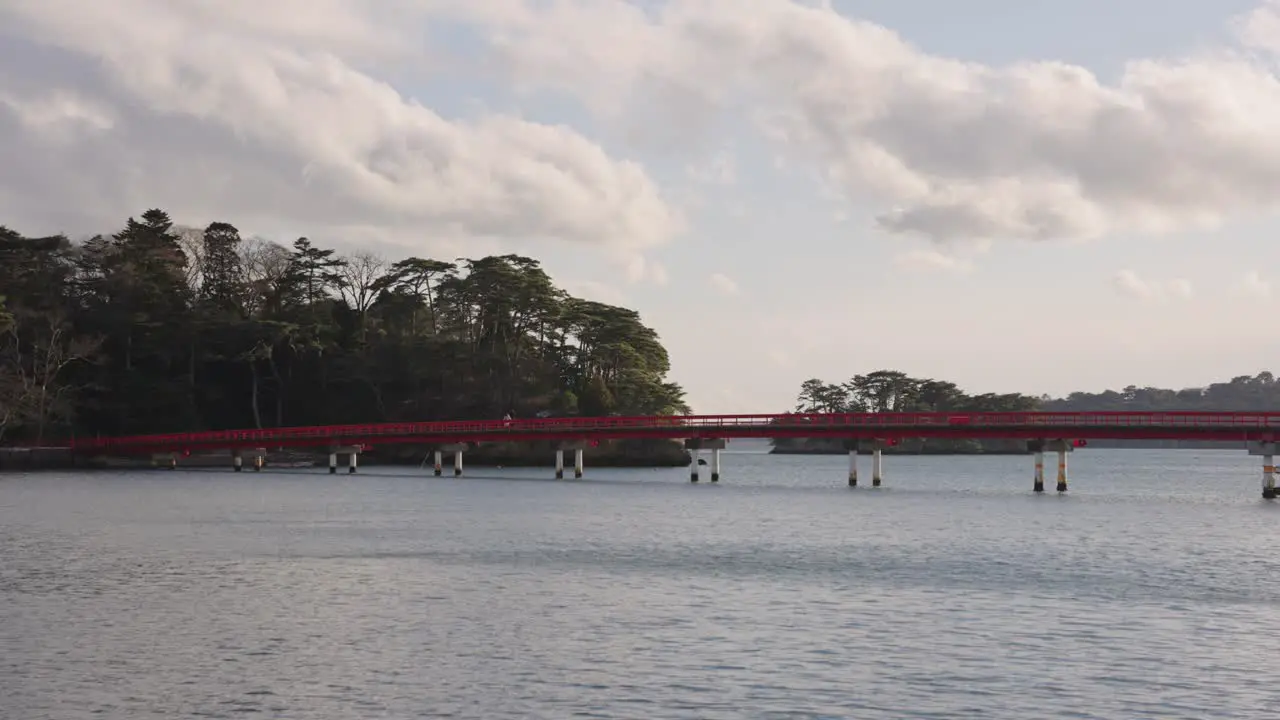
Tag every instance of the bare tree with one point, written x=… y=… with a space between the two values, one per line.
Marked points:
x=191 y=240
x=360 y=280
x=31 y=391
x=265 y=265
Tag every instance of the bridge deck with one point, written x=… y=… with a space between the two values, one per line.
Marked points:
x=1010 y=425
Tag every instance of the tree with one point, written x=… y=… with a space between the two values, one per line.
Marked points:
x=223 y=283
x=209 y=330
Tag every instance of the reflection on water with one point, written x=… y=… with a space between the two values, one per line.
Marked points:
x=1150 y=591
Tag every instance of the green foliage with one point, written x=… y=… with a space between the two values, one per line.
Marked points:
x=1259 y=392
x=188 y=330
x=893 y=391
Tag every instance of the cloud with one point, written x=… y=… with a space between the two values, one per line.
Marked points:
x=1130 y=284
x=717 y=170
x=723 y=284
x=921 y=259
x=1252 y=285
x=936 y=147
x=276 y=116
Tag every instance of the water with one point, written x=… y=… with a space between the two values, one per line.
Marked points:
x=1150 y=591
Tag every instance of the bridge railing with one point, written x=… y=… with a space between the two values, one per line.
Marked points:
x=698 y=425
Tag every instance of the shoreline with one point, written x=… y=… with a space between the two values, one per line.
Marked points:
x=618 y=454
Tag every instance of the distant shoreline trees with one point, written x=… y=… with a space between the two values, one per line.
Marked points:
x=893 y=391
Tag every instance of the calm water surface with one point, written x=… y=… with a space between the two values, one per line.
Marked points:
x=1151 y=591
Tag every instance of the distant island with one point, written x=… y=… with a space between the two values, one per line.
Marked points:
x=893 y=391
x=158 y=328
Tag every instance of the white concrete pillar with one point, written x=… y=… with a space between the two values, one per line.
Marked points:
x=1062 y=470
x=237 y=462
x=715 y=465
x=258 y=462
x=853 y=468
x=694 y=456
x=173 y=461
x=1268 y=477
x=333 y=463
x=577 y=463
x=559 y=464
x=1038 y=484
x=352 y=459
x=439 y=465
x=877 y=467
x=457 y=463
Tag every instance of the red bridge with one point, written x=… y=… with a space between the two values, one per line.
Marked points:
x=869 y=432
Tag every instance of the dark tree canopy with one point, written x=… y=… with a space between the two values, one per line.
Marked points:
x=157 y=328
x=893 y=391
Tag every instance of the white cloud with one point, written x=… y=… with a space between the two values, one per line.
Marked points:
x=1252 y=285
x=719 y=169
x=262 y=114
x=1130 y=284
x=594 y=290
x=921 y=259
x=957 y=150
x=723 y=284
x=58 y=112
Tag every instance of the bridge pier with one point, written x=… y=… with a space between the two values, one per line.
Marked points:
x=1267 y=449
x=439 y=465
x=351 y=451
x=577 y=463
x=559 y=464
x=695 y=446
x=853 y=466
x=237 y=462
x=457 y=462
x=877 y=466
x=1038 y=448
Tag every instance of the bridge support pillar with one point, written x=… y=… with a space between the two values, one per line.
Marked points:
x=695 y=446
x=877 y=466
x=853 y=467
x=578 y=466
x=259 y=459
x=559 y=464
x=457 y=463
x=1268 y=477
x=1039 y=448
x=1267 y=449
x=351 y=451
x=439 y=464
x=237 y=462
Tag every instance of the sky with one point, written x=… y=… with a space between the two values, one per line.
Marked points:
x=1032 y=196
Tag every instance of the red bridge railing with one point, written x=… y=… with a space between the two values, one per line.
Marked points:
x=1187 y=425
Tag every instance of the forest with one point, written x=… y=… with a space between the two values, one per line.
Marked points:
x=162 y=328
x=894 y=391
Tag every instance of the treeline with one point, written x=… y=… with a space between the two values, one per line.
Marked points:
x=158 y=328
x=893 y=391
x=1259 y=392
